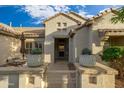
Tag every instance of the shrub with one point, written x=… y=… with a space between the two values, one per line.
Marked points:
x=86 y=51
x=115 y=57
x=111 y=53
x=36 y=51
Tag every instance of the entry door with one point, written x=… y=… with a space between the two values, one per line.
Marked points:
x=13 y=81
x=61 y=49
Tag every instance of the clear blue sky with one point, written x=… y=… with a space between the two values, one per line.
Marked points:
x=34 y=15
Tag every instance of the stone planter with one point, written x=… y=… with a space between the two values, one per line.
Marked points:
x=87 y=60
x=34 y=60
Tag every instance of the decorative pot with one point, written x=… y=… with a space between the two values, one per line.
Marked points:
x=34 y=60
x=87 y=60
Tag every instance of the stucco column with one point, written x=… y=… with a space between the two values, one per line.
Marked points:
x=23 y=80
x=4 y=81
x=99 y=76
x=49 y=50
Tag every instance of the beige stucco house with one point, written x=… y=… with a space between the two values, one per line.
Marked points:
x=62 y=40
x=80 y=33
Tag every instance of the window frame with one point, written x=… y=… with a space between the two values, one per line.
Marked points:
x=58 y=29
x=29 y=48
x=30 y=45
x=59 y=24
x=40 y=45
x=65 y=24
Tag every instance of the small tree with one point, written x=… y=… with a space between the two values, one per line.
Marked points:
x=115 y=56
x=119 y=16
x=119 y=58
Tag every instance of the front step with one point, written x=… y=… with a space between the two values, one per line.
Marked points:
x=59 y=76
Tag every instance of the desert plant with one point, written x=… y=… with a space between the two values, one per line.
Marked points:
x=110 y=54
x=86 y=51
x=115 y=56
x=119 y=16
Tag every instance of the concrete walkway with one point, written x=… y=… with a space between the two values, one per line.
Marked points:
x=58 y=66
x=58 y=75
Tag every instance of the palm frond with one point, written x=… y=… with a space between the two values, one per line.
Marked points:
x=119 y=16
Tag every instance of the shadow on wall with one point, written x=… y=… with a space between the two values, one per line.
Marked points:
x=9 y=47
x=49 y=42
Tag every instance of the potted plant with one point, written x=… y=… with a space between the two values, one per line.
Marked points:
x=35 y=59
x=86 y=58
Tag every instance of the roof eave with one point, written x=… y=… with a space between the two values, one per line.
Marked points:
x=61 y=14
x=78 y=15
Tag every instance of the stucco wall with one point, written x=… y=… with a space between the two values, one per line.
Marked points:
x=77 y=18
x=80 y=41
x=9 y=46
x=95 y=77
x=101 y=23
x=23 y=80
x=51 y=33
x=9 y=80
x=3 y=81
x=103 y=81
x=105 y=23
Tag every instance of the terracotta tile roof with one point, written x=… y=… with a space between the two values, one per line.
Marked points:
x=87 y=23
x=78 y=15
x=110 y=10
x=23 y=29
x=111 y=30
x=34 y=31
x=91 y=20
x=39 y=30
x=8 y=30
x=63 y=15
x=28 y=31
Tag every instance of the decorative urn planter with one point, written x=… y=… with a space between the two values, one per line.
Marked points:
x=87 y=59
x=35 y=59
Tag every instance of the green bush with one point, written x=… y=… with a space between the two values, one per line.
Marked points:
x=86 y=51
x=115 y=57
x=112 y=53
x=36 y=51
